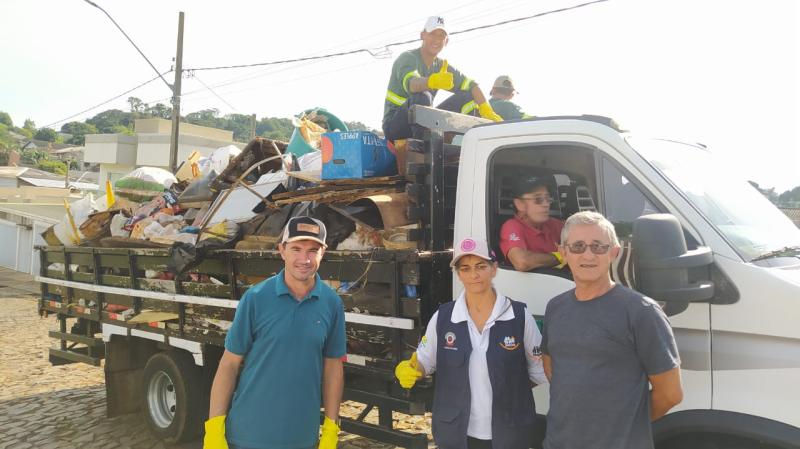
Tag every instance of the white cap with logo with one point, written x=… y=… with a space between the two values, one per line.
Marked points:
x=472 y=247
x=435 y=23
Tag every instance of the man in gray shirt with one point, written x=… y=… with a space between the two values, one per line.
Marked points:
x=604 y=347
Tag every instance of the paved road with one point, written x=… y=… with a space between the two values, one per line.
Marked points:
x=63 y=407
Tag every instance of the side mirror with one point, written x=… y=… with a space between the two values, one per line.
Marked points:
x=662 y=263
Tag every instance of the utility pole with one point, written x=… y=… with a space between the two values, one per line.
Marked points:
x=176 y=99
x=253 y=127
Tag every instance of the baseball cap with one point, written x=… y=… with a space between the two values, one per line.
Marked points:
x=504 y=82
x=472 y=247
x=304 y=228
x=433 y=23
x=529 y=184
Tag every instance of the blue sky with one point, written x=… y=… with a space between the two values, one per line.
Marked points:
x=719 y=72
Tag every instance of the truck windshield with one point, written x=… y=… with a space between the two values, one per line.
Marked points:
x=753 y=225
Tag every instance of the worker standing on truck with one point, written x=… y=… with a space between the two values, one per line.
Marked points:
x=609 y=351
x=484 y=348
x=529 y=239
x=500 y=98
x=289 y=329
x=416 y=77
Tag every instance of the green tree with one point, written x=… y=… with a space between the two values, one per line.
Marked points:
x=29 y=125
x=24 y=131
x=46 y=134
x=769 y=193
x=107 y=120
x=136 y=104
x=159 y=110
x=32 y=157
x=205 y=117
x=56 y=167
x=7 y=143
x=241 y=126
x=79 y=130
x=5 y=119
x=275 y=128
x=790 y=198
x=120 y=129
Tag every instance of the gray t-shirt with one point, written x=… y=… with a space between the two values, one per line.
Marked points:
x=602 y=351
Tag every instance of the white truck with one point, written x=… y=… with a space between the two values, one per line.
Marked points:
x=724 y=262
x=736 y=317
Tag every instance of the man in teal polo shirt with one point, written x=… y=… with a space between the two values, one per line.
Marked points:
x=290 y=331
x=501 y=94
x=416 y=77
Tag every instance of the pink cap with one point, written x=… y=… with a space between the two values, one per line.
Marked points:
x=472 y=247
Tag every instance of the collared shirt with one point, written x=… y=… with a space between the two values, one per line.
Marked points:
x=283 y=341
x=515 y=233
x=480 y=415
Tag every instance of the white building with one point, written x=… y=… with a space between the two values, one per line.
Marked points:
x=119 y=154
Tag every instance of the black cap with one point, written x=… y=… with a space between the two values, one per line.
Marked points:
x=529 y=184
x=304 y=228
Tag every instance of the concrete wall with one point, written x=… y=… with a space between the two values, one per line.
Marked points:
x=164 y=127
x=110 y=149
x=154 y=148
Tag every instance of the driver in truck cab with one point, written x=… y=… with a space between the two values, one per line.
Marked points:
x=529 y=239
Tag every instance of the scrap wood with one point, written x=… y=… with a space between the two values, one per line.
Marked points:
x=308 y=175
x=334 y=188
x=336 y=196
x=363 y=181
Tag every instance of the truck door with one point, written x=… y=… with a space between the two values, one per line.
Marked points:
x=623 y=200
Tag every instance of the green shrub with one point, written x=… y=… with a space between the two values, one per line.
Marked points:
x=56 y=167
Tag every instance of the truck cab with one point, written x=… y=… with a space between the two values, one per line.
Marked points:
x=735 y=320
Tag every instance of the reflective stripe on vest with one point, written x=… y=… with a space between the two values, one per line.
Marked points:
x=465 y=84
x=395 y=99
x=468 y=107
x=408 y=76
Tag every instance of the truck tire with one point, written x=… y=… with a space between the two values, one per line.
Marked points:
x=171 y=396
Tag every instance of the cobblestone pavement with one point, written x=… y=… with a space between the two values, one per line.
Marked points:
x=63 y=407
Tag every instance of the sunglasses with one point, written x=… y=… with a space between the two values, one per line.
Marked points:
x=538 y=200
x=580 y=247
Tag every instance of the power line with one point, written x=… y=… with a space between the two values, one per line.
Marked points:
x=111 y=99
x=192 y=74
x=376 y=52
x=131 y=41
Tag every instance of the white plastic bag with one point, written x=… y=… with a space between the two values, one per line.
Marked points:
x=221 y=157
x=80 y=212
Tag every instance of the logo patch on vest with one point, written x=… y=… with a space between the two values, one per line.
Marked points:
x=450 y=341
x=509 y=343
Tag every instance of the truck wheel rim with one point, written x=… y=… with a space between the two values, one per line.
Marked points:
x=161 y=399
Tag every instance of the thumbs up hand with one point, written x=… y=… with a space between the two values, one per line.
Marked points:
x=441 y=79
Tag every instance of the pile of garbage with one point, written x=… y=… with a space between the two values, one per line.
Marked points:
x=233 y=198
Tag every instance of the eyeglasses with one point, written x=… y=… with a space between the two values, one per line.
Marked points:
x=580 y=247
x=538 y=200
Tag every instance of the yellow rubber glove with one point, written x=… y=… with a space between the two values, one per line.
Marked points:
x=560 y=259
x=407 y=372
x=441 y=79
x=215 y=433
x=486 y=111
x=330 y=434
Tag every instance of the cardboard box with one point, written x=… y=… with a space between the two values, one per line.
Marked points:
x=358 y=154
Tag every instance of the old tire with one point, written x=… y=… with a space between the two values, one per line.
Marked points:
x=171 y=396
